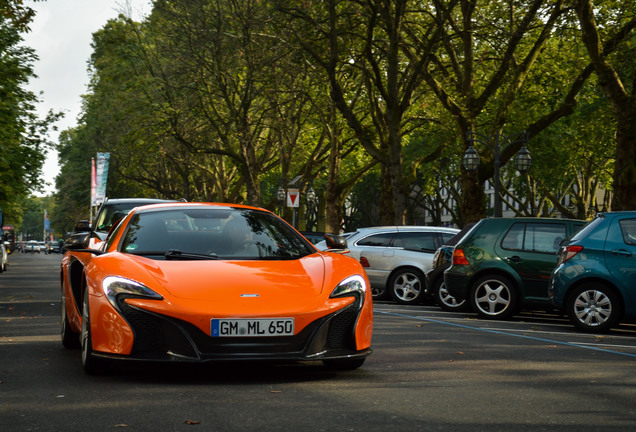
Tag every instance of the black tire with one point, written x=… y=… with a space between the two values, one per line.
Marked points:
x=344 y=364
x=494 y=297
x=70 y=339
x=92 y=365
x=594 y=307
x=407 y=286
x=379 y=293
x=446 y=301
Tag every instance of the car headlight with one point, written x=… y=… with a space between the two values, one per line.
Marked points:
x=350 y=286
x=114 y=286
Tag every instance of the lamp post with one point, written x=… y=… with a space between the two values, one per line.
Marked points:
x=281 y=195
x=497 y=145
x=312 y=203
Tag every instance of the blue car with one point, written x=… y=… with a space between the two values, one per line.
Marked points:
x=594 y=282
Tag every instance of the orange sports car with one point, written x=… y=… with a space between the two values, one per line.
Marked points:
x=199 y=282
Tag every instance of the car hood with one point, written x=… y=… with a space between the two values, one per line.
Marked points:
x=227 y=280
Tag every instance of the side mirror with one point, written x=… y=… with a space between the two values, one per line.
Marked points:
x=82 y=226
x=335 y=242
x=77 y=241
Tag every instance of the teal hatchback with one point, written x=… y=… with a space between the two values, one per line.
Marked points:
x=504 y=264
x=595 y=280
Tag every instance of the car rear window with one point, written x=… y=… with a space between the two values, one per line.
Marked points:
x=628 y=228
x=534 y=237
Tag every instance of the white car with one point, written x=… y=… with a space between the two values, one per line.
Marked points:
x=396 y=258
x=4 y=257
x=32 y=246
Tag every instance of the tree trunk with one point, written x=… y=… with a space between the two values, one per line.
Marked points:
x=623 y=104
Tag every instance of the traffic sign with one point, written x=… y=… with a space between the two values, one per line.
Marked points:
x=293 y=197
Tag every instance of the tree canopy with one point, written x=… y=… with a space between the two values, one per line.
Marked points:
x=230 y=100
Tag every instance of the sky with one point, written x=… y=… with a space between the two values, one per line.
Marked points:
x=61 y=34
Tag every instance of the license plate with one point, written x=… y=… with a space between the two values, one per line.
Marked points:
x=259 y=327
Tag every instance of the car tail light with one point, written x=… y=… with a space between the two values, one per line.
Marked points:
x=459 y=258
x=364 y=262
x=568 y=252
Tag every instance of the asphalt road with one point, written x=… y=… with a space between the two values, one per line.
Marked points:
x=430 y=371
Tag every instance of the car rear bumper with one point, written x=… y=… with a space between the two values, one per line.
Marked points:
x=457 y=285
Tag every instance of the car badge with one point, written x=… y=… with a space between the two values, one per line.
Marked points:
x=249 y=295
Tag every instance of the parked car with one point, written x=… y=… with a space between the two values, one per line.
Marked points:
x=396 y=258
x=504 y=264
x=245 y=287
x=4 y=256
x=313 y=236
x=435 y=277
x=595 y=280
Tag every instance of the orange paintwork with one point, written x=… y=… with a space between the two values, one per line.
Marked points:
x=198 y=291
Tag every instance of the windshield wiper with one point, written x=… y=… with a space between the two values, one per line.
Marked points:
x=176 y=254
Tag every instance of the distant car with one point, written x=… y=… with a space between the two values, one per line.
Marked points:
x=504 y=264
x=397 y=257
x=54 y=247
x=595 y=280
x=203 y=282
x=32 y=246
x=435 y=277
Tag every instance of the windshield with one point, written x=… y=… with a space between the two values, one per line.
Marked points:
x=111 y=213
x=587 y=228
x=222 y=233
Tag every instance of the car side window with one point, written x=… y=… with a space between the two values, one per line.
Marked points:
x=544 y=237
x=376 y=240
x=416 y=241
x=628 y=228
x=513 y=239
x=534 y=237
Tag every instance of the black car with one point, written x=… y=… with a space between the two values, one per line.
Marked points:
x=435 y=277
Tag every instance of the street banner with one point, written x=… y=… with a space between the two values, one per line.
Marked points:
x=47 y=222
x=93 y=182
x=101 y=177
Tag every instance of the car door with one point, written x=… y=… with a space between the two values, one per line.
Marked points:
x=529 y=248
x=620 y=255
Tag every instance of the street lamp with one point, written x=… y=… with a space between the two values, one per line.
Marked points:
x=496 y=145
x=312 y=204
x=281 y=195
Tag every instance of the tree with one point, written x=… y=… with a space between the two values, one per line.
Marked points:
x=622 y=100
x=23 y=136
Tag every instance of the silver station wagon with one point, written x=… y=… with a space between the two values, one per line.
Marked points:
x=396 y=258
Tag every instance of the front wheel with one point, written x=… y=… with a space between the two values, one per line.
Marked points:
x=92 y=365
x=445 y=300
x=407 y=286
x=494 y=297
x=593 y=307
x=69 y=338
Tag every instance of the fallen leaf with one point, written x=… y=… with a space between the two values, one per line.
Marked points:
x=121 y=425
x=275 y=391
x=192 y=422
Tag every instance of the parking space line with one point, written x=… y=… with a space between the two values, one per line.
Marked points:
x=506 y=333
